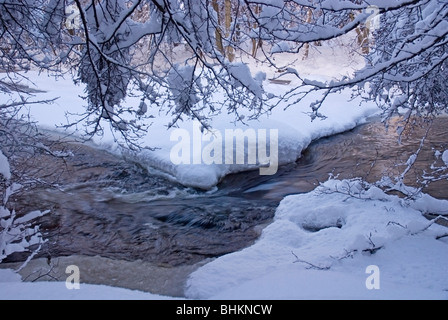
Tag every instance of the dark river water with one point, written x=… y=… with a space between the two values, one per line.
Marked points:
x=106 y=206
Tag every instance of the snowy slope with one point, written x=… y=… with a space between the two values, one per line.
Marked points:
x=320 y=245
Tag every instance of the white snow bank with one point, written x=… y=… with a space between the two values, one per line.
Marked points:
x=5 y=170
x=11 y=288
x=295 y=133
x=320 y=245
x=428 y=204
x=291 y=283
x=293 y=125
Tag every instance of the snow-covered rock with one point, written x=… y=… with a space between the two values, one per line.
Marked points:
x=445 y=157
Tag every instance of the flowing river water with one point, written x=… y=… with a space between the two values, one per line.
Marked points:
x=128 y=226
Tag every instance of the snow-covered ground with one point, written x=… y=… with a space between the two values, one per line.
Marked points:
x=321 y=245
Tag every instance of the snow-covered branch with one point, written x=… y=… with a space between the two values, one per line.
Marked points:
x=148 y=46
x=17 y=234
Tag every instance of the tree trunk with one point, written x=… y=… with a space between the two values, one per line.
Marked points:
x=256 y=43
x=309 y=16
x=228 y=25
x=218 y=33
x=363 y=38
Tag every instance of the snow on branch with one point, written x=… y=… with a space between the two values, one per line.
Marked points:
x=138 y=45
x=406 y=65
x=17 y=234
